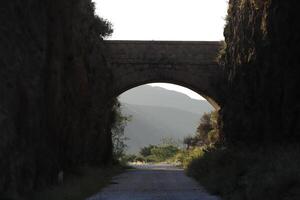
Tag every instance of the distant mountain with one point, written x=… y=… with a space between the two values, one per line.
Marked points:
x=157 y=96
x=157 y=112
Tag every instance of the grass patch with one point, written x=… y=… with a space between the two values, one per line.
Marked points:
x=79 y=185
x=185 y=157
x=250 y=173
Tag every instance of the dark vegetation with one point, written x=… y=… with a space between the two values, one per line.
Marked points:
x=261 y=64
x=118 y=136
x=258 y=157
x=55 y=110
x=79 y=184
x=249 y=172
x=241 y=171
x=207 y=132
x=84 y=181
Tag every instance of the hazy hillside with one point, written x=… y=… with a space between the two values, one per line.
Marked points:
x=157 y=96
x=157 y=112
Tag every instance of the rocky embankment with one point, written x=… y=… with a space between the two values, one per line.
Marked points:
x=261 y=65
x=54 y=83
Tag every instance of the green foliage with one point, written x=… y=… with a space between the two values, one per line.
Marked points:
x=140 y=159
x=189 y=141
x=160 y=153
x=163 y=153
x=205 y=127
x=129 y=158
x=146 y=151
x=151 y=159
x=250 y=173
x=207 y=133
x=184 y=157
x=118 y=138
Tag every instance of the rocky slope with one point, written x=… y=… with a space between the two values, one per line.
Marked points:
x=261 y=64
x=54 y=84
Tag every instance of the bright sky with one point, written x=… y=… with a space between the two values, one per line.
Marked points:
x=178 y=88
x=199 y=20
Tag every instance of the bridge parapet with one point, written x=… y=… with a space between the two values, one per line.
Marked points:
x=163 y=52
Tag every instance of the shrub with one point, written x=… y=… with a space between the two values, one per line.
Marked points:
x=129 y=158
x=146 y=151
x=158 y=153
x=186 y=156
x=163 y=153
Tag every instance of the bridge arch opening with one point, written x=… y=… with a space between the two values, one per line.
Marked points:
x=176 y=85
x=161 y=110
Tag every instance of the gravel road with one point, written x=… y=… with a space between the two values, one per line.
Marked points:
x=153 y=182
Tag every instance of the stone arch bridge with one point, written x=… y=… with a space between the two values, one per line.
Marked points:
x=187 y=63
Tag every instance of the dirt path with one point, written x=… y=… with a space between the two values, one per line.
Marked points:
x=153 y=182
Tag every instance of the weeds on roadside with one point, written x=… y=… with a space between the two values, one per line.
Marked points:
x=271 y=172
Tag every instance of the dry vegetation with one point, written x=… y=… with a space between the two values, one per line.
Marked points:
x=250 y=173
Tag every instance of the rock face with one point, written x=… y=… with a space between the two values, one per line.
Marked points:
x=261 y=64
x=54 y=83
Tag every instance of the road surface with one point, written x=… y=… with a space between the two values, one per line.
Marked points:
x=153 y=182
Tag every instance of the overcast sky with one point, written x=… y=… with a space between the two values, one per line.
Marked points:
x=199 y=20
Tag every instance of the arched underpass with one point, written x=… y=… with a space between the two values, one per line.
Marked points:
x=160 y=119
x=190 y=64
x=160 y=114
